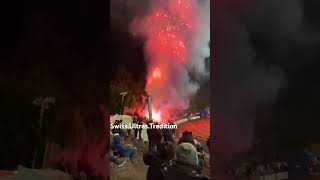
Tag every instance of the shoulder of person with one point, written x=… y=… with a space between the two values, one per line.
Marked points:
x=151 y=158
x=201 y=177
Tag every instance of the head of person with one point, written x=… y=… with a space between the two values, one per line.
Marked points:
x=187 y=134
x=187 y=138
x=169 y=150
x=187 y=154
x=117 y=122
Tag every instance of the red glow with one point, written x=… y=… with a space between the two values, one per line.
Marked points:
x=169 y=31
x=156 y=116
x=156 y=73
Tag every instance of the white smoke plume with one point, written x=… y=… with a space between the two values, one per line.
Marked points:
x=200 y=49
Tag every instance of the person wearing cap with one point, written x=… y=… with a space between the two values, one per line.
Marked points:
x=185 y=164
x=187 y=137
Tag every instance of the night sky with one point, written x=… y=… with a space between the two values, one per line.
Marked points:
x=58 y=42
x=128 y=50
x=55 y=48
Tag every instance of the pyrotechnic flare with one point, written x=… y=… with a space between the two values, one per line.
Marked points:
x=149 y=108
x=177 y=36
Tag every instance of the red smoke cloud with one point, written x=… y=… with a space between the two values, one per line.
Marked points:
x=169 y=29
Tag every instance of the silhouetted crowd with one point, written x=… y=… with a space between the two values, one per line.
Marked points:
x=256 y=170
x=166 y=158
x=306 y=167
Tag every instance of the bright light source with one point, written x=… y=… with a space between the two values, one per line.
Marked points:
x=156 y=73
x=156 y=116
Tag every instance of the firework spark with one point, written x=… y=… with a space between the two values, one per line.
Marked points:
x=170 y=29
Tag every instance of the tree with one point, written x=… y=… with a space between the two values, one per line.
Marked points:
x=124 y=82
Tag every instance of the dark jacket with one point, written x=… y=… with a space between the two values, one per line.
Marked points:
x=167 y=135
x=153 y=160
x=155 y=135
x=156 y=159
x=182 y=171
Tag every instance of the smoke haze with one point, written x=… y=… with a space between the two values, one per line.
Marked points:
x=187 y=27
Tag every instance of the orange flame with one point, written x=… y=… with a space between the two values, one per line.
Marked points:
x=156 y=73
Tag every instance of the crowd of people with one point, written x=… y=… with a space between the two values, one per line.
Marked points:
x=166 y=157
x=170 y=161
x=303 y=165
x=255 y=169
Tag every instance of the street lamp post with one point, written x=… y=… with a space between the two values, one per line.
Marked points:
x=123 y=94
x=149 y=107
x=44 y=105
